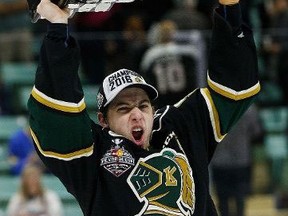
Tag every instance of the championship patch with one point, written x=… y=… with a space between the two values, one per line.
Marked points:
x=117 y=160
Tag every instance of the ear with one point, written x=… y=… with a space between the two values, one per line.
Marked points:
x=153 y=109
x=102 y=120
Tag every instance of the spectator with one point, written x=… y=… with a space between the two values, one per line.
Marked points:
x=173 y=68
x=89 y=27
x=187 y=17
x=206 y=7
x=134 y=44
x=15 y=31
x=152 y=11
x=21 y=151
x=231 y=164
x=33 y=199
x=276 y=45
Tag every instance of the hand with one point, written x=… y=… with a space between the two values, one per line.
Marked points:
x=52 y=12
x=228 y=2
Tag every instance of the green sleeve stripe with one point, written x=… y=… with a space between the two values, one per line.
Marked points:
x=232 y=94
x=57 y=104
x=86 y=152
x=214 y=116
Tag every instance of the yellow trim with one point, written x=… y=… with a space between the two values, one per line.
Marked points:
x=69 y=156
x=151 y=199
x=232 y=94
x=213 y=115
x=159 y=205
x=155 y=185
x=159 y=212
x=55 y=104
x=165 y=211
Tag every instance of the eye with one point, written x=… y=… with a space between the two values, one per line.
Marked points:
x=123 y=109
x=144 y=106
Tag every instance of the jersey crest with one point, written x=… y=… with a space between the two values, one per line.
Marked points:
x=164 y=182
x=117 y=160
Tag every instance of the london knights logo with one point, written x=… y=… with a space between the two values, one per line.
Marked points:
x=164 y=182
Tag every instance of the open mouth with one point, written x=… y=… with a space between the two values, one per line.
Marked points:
x=137 y=134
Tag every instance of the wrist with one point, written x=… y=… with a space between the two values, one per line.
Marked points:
x=231 y=13
x=57 y=30
x=228 y=2
x=61 y=18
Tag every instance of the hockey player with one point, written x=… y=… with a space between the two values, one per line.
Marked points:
x=137 y=161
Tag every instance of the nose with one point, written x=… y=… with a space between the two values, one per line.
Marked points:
x=136 y=114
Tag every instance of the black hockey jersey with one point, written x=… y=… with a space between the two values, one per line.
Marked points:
x=111 y=176
x=176 y=67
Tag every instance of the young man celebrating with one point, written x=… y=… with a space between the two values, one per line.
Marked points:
x=137 y=161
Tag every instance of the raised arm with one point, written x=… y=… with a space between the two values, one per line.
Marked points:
x=233 y=71
x=52 y=12
x=232 y=75
x=60 y=127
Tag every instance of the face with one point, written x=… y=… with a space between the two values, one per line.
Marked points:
x=31 y=181
x=130 y=114
x=281 y=5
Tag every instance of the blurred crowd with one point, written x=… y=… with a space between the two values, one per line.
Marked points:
x=120 y=37
x=167 y=42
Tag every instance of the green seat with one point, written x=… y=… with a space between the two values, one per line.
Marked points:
x=270 y=94
x=276 y=145
x=90 y=94
x=16 y=75
x=93 y=116
x=53 y=183
x=8 y=186
x=9 y=124
x=276 y=150
x=72 y=210
x=274 y=119
x=4 y=165
x=22 y=73
x=23 y=96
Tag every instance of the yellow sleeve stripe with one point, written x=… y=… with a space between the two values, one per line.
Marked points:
x=232 y=94
x=214 y=116
x=57 y=104
x=66 y=157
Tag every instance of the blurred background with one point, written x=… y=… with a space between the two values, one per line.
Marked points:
x=140 y=36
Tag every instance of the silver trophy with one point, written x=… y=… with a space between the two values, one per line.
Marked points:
x=76 y=6
x=93 y=5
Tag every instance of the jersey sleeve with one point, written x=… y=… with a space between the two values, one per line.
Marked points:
x=232 y=79
x=232 y=70
x=60 y=125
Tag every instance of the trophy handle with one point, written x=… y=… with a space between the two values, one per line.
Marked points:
x=35 y=17
x=93 y=5
x=76 y=6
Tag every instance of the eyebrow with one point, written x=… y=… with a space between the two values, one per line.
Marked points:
x=120 y=103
